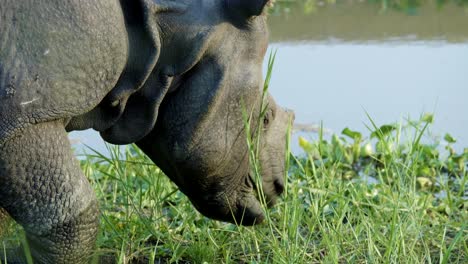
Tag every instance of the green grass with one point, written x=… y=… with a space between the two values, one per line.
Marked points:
x=330 y=213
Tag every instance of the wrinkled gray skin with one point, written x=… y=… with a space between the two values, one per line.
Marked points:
x=172 y=76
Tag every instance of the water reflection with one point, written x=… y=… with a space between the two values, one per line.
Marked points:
x=409 y=7
x=355 y=21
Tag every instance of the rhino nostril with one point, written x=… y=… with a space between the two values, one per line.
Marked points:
x=279 y=186
x=249 y=181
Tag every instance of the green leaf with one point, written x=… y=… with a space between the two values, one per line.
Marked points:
x=352 y=134
x=383 y=131
x=449 y=138
x=429 y=151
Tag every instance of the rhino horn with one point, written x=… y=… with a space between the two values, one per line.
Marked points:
x=247 y=8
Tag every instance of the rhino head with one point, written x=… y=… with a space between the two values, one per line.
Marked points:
x=215 y=50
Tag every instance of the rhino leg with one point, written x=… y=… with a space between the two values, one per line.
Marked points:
x=43 y=189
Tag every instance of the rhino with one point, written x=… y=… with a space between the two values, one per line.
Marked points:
x=177 y=78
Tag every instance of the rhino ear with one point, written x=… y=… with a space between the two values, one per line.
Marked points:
x=246 y=8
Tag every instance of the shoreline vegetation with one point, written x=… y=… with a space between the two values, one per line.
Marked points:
x=349 y=199
x=384 y=198
x=410 y=7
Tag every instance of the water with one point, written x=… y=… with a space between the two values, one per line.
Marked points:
x=340 y=61
x=338 y=83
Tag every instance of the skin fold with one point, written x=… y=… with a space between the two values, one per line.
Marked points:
x=177 y=78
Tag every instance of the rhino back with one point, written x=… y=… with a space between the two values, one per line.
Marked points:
x=58 y=58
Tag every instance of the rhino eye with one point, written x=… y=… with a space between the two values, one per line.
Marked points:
x=268 y=117
x=266 y=121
